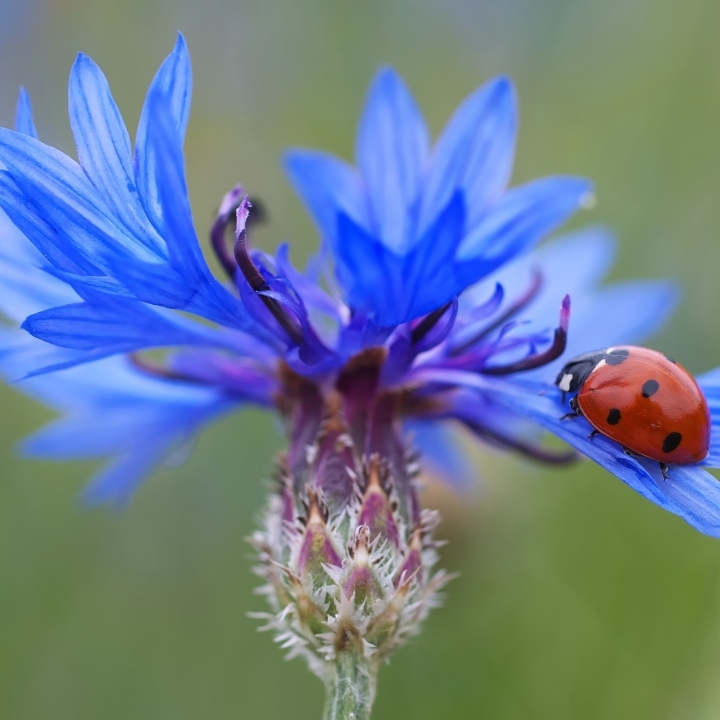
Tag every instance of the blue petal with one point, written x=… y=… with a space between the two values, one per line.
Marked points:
x=443 y=453
x=394 y=288
x=113 y=325
x=429 y=276
x=126 y=425
x=209 y=299
x=24 y=122
x=76 y=436
x=108 y=383
x=711 y=381
x=112 y=409
x=602 y=319
x=475 y=152
x=163 y=150
x=329 y=187
x=710 y=385
x=60 y=206
x=521 y=218
x=367 y=271
x=306 y=285
x=117 y=482
x=483 y=412
x=568 y=265
x=64 y=256
x=22 y=356
x=174 y=82
x=26 y=287
x=695 y=494
x=392 y=147
x=104 y=150
x=85 y=253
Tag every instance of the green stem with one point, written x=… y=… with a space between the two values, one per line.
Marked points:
x=351 y=689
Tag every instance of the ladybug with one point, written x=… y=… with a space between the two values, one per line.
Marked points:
x=641 y=399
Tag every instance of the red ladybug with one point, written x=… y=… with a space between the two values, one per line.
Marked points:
x=642 y=400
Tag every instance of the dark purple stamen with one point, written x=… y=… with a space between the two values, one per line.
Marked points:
x=255 y=279
x=538 y=360
x=535 y=452
x=527 y=297
x=228 y=206
x=428 y=323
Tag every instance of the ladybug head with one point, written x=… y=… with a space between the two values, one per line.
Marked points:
x=573 y=375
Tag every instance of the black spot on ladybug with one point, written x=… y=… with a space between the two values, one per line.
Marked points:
x=615 y=357
x=650 y=387
x=614 y=416
x=669 y=359
x=671 y=442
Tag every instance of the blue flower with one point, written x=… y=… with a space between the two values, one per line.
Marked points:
x=429 y=308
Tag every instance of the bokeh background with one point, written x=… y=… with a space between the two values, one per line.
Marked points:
x=576 y=598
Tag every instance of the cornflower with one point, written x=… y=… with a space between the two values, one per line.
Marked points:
x=429 y=307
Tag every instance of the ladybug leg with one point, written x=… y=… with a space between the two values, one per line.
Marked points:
x=593 y=434
x=575 y=410
x=663 y=466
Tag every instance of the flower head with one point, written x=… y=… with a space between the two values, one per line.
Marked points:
x=430 y=306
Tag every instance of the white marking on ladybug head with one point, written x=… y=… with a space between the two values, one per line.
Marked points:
x=565 y=381
x=599 y=365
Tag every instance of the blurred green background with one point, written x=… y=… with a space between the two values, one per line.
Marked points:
x=576 y=598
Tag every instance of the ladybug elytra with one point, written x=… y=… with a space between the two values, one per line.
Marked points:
x=642 y=400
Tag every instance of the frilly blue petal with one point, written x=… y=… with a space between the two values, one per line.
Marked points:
x=443 y=453
x=26 y=287
x=112 y=325
x=208 y=297
x=24 y=122
x=602 y=319
x=329 y=187
x=474 y=152
x=520 y=219
x=103 y=146
x=112 y=409
x=23 y=356
x=394 y=288
x=391 y=152
x=118 y=481
x=174 y=82
x=710 y=385
x=568 y=264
